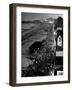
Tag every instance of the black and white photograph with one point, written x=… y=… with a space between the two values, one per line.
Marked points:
x=39 y=44
x=42 y=44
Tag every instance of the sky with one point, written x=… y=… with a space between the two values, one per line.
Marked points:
x=39 y=16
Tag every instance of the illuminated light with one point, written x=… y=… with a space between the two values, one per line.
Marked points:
x=54 y=33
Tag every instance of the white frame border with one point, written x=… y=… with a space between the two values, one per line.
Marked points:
x=20 y=79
